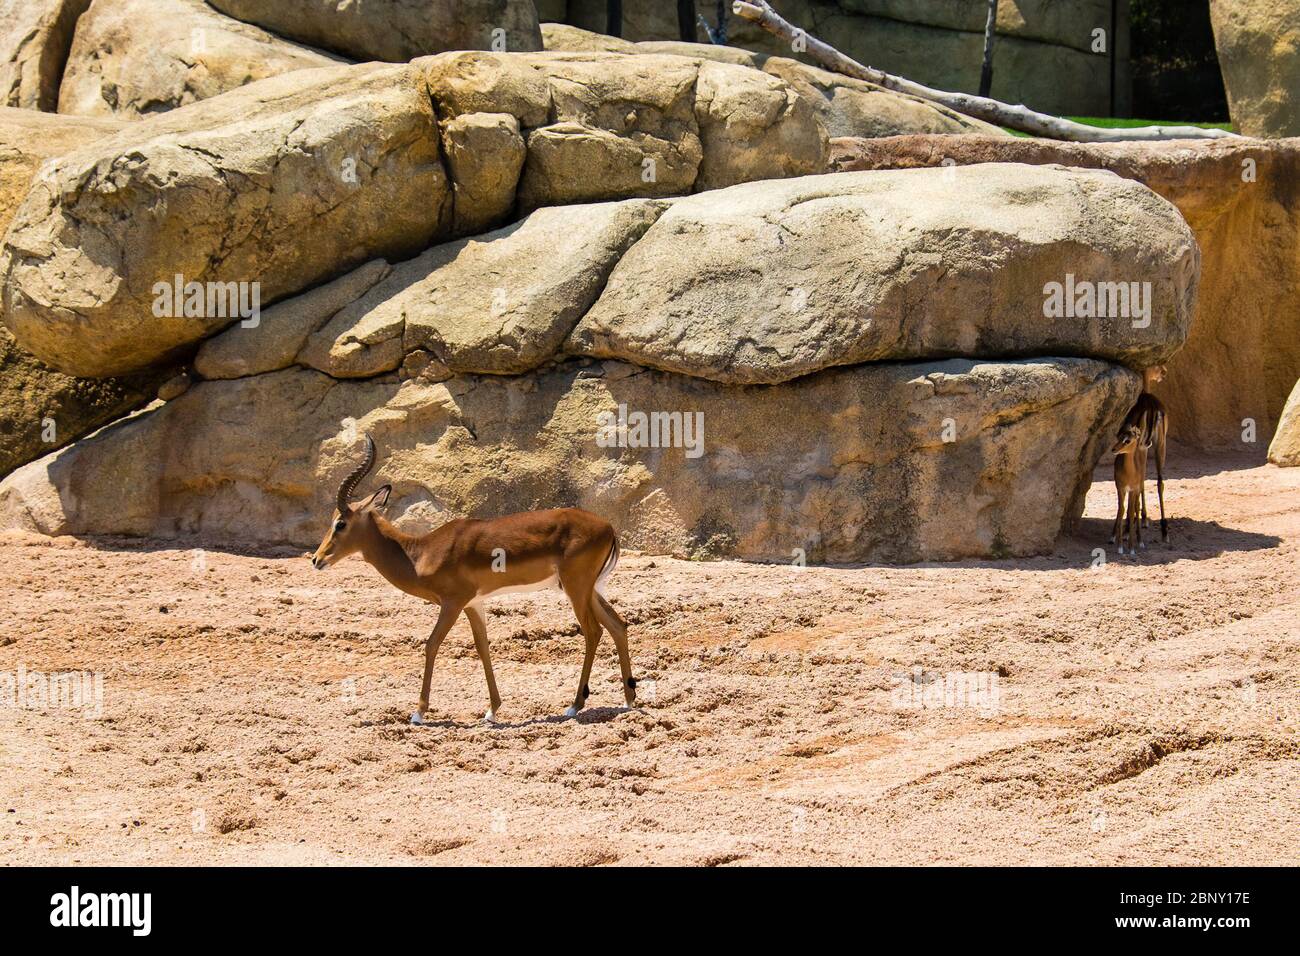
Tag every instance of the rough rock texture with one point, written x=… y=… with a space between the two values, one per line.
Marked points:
x=1285 y=448
x=41 y=409
x=850 y=107
x=770 y=281
x=753 y=126
x=847 y=107
x=1043 y=56
x=282 y=330
x=561 y=36
x=225 y=190
x=30 y=142
x=606 y=126
x=134 y=57
x=1242 y=200
x=35 y=36
x=810 y=465
x=396 y=30
x=485 y=155
x=500 y=303
x=1258 y=42
x=705 y=51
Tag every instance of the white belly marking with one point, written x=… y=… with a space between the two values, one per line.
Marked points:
x=552 y=582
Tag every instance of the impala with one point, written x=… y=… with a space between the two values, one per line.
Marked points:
x=1130 y=450
x=1150 y=416
x=459 y=564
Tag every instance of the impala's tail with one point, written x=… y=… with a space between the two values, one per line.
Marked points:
x=611 y=563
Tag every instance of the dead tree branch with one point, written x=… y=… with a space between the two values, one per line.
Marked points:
x=991 y=111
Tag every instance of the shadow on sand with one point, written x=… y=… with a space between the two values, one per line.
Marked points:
x=592 y=715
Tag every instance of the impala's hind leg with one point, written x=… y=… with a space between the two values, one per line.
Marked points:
x=479 y=626
x=580 y=598
x=617 y=628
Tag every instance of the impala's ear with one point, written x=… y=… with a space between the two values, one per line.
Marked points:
x=377 y=500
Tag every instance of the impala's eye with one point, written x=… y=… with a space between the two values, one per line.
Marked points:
x=340 y=525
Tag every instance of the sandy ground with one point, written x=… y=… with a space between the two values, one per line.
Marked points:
x=255 y=711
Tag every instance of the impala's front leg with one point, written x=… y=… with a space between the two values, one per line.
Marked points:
x=446 y=618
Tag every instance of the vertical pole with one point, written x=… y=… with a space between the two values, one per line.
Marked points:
x=686 y=20
x=986 y=71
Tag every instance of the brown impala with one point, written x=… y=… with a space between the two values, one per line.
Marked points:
x=463 y=562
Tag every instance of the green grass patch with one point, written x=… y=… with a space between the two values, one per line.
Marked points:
x=1112 y=122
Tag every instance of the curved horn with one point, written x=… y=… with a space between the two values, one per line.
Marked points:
x=352 y=480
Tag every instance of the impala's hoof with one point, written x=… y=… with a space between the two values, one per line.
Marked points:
x=571 y=712
x=490 y=716
x=417 y=719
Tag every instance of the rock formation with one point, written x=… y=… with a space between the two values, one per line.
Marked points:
x=395 y=30
x=42 y=409
x=846 y=107
x=34 y=39
x=478 y=368
x=849 y=465
x=1242 y=200
x=616 y=276
x=768 y=282
x=1258 y=42
x=1285 y=448
x=222 y=191
x=131 y=58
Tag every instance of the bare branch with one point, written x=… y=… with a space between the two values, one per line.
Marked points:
x=991 y=111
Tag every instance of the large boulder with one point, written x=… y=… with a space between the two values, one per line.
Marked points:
x=280 y=333
x=1241 y=198
x=35 y=36
x=768 y=282
x=501 y=303
x=396 y=30
x=135 y=57
x=1285 y=447
x=1259 y=53
x=42 y=409
x=892 y=462
x=283 y=183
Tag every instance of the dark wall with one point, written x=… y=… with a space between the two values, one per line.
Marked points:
x=1174 y=66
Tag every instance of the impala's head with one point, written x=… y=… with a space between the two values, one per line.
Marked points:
x=351 y=521
x=1129 y=438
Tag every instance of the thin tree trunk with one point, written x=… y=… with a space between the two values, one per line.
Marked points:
x=986 y=71
x=613 y=18
x=686 y=20
x=991 y=111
